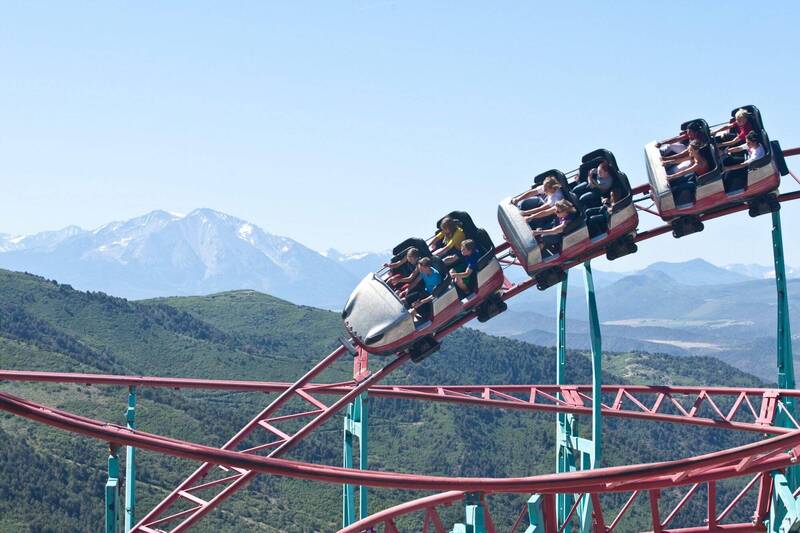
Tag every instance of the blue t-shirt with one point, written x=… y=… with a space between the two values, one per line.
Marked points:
x=431 y=281
x=469 y=261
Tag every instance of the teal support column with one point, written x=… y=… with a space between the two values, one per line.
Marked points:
x=784 y=514
x=784 y=347
x=112 y=490
x=565 y=422
x=356 y=425
x=573 y=452
x=130 y=464
x=784 y=511
x=597 y=368
x=536 y=514
x=475 y=521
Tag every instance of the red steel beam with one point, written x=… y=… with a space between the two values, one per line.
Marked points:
x=712 y=466
x=460 y=394
x=339 y=388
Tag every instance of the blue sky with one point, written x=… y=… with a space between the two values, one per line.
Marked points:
x=354 y=124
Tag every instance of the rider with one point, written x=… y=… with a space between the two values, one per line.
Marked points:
x=420 y=298
x=464 y=273
x=683 y=181
x=550 y=239
x=597 y=186
x=543 y=214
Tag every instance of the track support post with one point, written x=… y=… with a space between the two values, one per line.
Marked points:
x=356 y=426
x=785 y=509
x=784 y=516
x=475 y=521
x=112 y=490
x=573 y=452
x=130 y=464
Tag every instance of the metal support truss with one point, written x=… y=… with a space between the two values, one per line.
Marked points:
x=212 y=483
x=356 y=427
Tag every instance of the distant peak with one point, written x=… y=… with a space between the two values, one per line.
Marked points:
x=208 y=212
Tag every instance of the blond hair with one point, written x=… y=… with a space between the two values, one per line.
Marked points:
x=742 y=112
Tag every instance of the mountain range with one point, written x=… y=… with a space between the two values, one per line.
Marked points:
x=207 y=251
x=657 y=309
x=164 y=254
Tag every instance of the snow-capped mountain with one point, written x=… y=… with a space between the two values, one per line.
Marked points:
x=206 y=251
x=361 y=263
x=760 y=271
x=161 y=254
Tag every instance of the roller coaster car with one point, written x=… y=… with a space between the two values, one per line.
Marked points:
x=713 y=192
x=381 y=323
x=615 y=234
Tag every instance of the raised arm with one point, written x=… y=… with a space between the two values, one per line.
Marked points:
x=683 y=172
x=677 y=158
x=398 y=263
x=678 y=138
x=535 y=211
x=527 y=194
x=732 y=142
x=739 y=148
x=724 y=127
x=412 y=278
x=541 y=212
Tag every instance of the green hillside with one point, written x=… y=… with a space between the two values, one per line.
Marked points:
x=53 y=481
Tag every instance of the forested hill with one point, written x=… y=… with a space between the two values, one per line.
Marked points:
x=53 y=481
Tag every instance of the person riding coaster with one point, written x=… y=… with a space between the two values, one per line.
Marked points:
x=715 y=181
x=386 y=319
x=533 y=214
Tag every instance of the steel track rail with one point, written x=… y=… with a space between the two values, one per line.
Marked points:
x=773 y=453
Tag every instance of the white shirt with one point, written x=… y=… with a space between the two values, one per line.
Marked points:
x=551 y=199
x=754 y=153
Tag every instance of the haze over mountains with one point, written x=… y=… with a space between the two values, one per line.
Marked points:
x=162 y=254
x=206 y=251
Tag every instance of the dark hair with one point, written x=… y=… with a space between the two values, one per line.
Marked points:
x=469 y=244
x=696 y=144
x=752 y=137
x=565 y=205
x=425 y=261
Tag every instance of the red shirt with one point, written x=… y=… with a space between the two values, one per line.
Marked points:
x=742 y=131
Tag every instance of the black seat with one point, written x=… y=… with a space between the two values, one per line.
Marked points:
x=464 y=220
x=399 y=252
x=471 y=231
x=700 y=125
x=590 y=161
x=709 y=152
x=624 y=197
x=539 y=178
x=412 y=242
